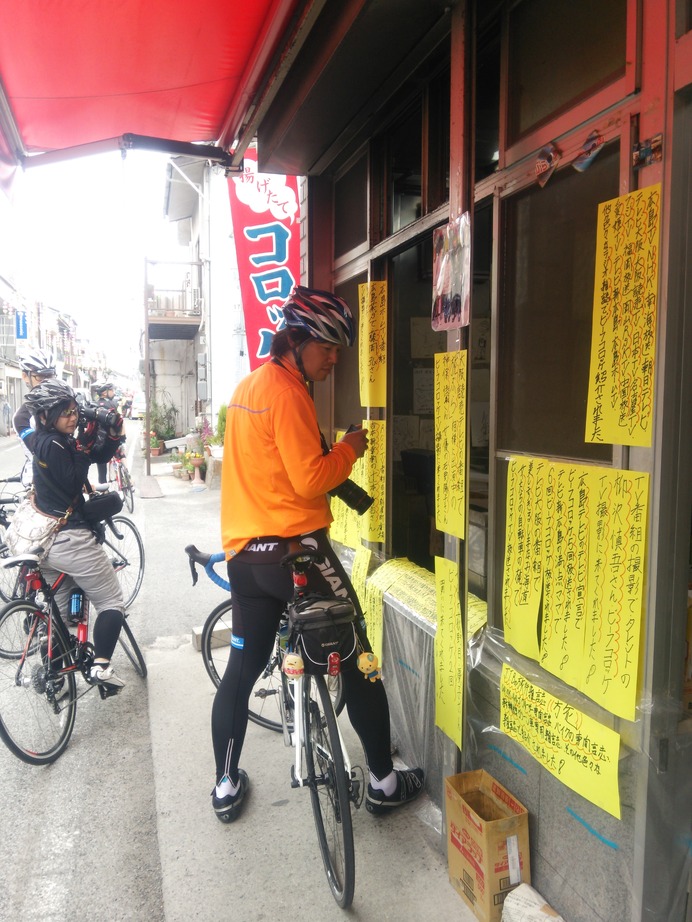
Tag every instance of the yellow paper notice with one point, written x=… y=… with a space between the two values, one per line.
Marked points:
x=375 y=588
x=578 y=750
x=346 y=525
x=575 y=552
x=477 y=614
x=372 y=344
x=450 y=443
x=449 y=651
x=616 y=588
x=568 y=523
x=623 y=338
x=414 y=587
x=374 y=464
x=522 y=584
x=359 y=573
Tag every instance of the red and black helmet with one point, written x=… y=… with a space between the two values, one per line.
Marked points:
x=321 y=314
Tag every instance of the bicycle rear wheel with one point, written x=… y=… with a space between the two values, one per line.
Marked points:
x=131 y=647
x=329 y=789
x=38 y=700
x=126 y=554
x=264 y=707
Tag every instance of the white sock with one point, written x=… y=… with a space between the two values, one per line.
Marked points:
x=387 y=785
x=226 y=787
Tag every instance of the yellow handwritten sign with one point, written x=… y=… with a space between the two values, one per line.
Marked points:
x=522 y=585
x=449 y=651
x=573 y=747
x=476 y=614
x=375 y=587
x=575 y=554
x=359 y=572
x=623 y=338
x=346 y=525
x=374 y=462
x=619 y=501
x=568 y=524
x=372 y=344
x=414 y=587
x=450 y=442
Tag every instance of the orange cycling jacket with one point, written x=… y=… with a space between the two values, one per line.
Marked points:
x=274 y=476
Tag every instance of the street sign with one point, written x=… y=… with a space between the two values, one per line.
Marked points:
x=20 y=325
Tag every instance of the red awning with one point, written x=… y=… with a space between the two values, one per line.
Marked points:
x=74 y=72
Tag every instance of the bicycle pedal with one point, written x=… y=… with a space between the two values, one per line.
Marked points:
x=356 y=787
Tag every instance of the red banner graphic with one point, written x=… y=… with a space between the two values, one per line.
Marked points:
x=265 y=212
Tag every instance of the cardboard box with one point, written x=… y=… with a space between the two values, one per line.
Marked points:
x=487 y=842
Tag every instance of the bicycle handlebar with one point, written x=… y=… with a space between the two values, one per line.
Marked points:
x=207 y=561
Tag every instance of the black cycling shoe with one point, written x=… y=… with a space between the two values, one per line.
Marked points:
x=229 y=808
x=409 y=786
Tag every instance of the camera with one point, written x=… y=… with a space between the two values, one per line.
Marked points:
x=104 y=416
x=349 y=492
x=354 y=496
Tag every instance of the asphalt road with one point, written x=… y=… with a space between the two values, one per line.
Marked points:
x=120 y=827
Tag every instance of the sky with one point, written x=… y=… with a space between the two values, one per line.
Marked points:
x=83 y=229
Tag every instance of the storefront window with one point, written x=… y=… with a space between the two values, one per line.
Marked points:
x=351 y=208
x=413 y=346
x=559 y=53
x=487 y=111
x=545 y=314
x=405 y=159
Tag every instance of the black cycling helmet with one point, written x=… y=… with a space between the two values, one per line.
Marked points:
x=321 y=314
x=105 y=386
x=38 y=362
x=49 y=394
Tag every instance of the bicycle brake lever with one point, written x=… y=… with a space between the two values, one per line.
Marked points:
x=193 y=570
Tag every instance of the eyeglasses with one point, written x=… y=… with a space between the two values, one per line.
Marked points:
x=66 y=414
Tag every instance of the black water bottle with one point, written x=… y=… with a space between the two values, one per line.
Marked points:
x=76 y=606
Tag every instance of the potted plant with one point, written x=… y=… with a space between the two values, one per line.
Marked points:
x=154 y=443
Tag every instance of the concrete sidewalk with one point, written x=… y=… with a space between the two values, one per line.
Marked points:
x=267 y=864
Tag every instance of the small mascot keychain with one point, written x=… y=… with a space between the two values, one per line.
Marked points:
x=370 y=667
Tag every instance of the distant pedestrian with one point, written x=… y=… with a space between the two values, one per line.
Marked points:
x=7 y=416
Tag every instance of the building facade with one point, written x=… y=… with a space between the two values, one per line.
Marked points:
x=563 y=131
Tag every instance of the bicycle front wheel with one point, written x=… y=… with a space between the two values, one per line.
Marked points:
x=38 y=699
x=329 y=789
x=127 y=487
x=10 y=585
x=125 y=549
x=127 y=641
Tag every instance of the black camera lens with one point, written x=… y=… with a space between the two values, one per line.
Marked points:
x=354 y=496
x=102 y=415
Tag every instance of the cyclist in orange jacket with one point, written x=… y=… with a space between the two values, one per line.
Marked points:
x=274 y=486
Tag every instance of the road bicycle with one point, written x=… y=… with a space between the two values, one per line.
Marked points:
x=215 y=644
x=40 y=658
x=122 y=542
x=308 y=719
x=119 y=476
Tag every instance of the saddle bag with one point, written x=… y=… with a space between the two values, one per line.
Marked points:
x=320 y=626
x=101 y=506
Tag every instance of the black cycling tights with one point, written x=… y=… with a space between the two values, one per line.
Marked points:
x=260 y=592
x=106 y=632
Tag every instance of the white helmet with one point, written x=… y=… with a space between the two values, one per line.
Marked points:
x=38 y=362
